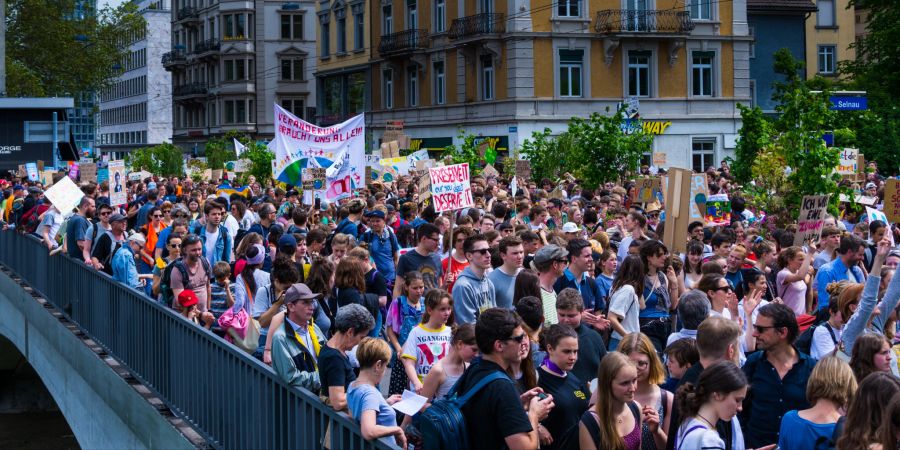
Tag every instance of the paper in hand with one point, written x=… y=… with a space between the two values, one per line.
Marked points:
x=410 y=403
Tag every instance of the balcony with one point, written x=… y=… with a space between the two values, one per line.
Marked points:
x=477 y=25
x=643 y=22
x=404 y=42
x=188 y=16
x=190 y=92
x=173 y=60
x=207 y=49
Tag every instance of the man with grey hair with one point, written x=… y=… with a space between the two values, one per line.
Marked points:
x=693 y=309
x=351 y=324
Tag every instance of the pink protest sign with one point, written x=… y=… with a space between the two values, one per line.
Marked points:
x=450 y=187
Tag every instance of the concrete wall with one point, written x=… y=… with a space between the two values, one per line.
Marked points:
x=103 y=410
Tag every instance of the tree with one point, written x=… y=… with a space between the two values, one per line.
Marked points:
x=606 y=148
x=56 y=48
x=260 y=160
x=164 y=160
x=217 y=153
x=753 y=137
x=467 y=152
x=544 y=154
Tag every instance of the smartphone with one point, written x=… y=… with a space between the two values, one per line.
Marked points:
x=318 y=203
x=541 y=395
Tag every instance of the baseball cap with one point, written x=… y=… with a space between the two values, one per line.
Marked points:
x=570 y=227
x=116 y=217
x=549 y=253
x=870 y=185
x=137 y=237
x=376 y=213
x=187 y=298
x=151 y=185
x=287 y=240
x=299 y=291
x=18 y=187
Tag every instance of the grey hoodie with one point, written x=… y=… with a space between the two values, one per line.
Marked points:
x=471 y=296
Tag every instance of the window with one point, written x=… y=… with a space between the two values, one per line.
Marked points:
x=825 y=14
x=342 y=34
x=639 y=73
x=440 y=16
x=294 y=106
x=439 y=83
x=387 y=20
x=292 y=27
x=487 y=77
x=325 y=38
x=412 y=86
x=412 y=14
x=235 y=69
x=826 y=59
x=292 y=69
x=236 y=26
x=236 y=111
x=570 y=70
x=700 y=9
x=568 y=8
x=359 y=30
x=752 y=32
x=702 y=74
x=703 y=154
x=388 y=89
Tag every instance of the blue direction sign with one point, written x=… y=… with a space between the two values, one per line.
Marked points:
x=849 y=103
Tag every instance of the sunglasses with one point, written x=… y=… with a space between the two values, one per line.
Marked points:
x=106 y=213
x=519 y=339
x=725 y=288
x=762 y=329
x=482 y=251
x=157 y=215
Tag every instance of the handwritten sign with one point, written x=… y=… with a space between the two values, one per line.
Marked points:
x=659 y=159
x=718 y=210
x=216 y=175
x=523 y=169
x=848 y=163
x=32 y=170
x=892 y=199
x=118 y=195
x=699 y=192
x=313 y=178
x=65 y=195
x=646 y=189
x=88 y=172
x=812 y=217
x=451 y=188
x=489 y=171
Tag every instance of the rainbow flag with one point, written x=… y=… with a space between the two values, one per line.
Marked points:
x=225 y=190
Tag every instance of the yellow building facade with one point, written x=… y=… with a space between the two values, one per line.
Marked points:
x=502 y=70
x=343 y=37
x=829 y=33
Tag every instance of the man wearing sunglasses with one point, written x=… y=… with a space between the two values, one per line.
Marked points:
x=473 y=292
x=495 y=417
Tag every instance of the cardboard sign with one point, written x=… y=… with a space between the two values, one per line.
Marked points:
x=451 y=187
x=21 y=172
x=46 y=177
x=489 y=171
x=646 y=189
x=424 y=188
x=848 y=162
x=811 y=219
x=216 y=175
x=699 y=192
x=65 y=195
x=659 y=159
x=313 y=178
x=40 y=165
x=118 y=194
x=238 y=166
x=390 y=149
x=892 y=199
x=523 y=169
x=88 y=172
x=678 y=210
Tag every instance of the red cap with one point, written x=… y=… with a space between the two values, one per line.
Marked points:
x=187 y=298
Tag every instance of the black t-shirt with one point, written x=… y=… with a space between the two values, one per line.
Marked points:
x=591 y=350
x=494 y=413
x=334 y=369
x=103 y=251
x=376 y=283
x=570 y=399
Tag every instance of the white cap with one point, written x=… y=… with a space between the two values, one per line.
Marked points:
x=570 y=227
x=137 y=237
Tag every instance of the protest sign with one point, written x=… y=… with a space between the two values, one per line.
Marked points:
x=718 y=210
x=216 y=175
x=74 y=170
x=848 y=162
x=811 y=219
x=451 y=188
x=523 y=169
x=339 y=148
x=21 y=172
x=659 y=159
x=40 y=165
x=65 y=195
x=47 y=177
x=678 y=206
x=424 y=187
x=699 y=192
x=88 y=172
x=892 y=199
x=313 y=179
x=102 y=175
x=117 y=193
x=489 y=171
x=32 y=171
x=646 y=189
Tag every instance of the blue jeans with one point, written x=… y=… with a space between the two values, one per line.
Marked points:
x=144 y=268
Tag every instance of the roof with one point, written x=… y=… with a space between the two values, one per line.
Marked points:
x=781 y=5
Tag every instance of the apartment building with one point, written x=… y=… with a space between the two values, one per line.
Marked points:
x=502 y=70
x=136 y=109
x=829 y=33
x=343 y=82
x=231 y=60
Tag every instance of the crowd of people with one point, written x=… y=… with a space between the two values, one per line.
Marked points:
x=568 y=321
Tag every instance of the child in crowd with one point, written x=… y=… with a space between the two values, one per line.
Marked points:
x=221 y=293
x=428 y=342
x=187 y=300
x=607 y=270
x=404 y=314
x=680 y=356
x=377 y=420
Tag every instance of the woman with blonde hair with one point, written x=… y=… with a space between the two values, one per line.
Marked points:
x=615 y=421
x=656 y=402
x=829 y=390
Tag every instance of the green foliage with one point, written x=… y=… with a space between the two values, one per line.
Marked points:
x=50 y=54
x=466 y=153
x=602 y=151
x=542 y=150
x=260 y=160
x=217 y=152
x=164 y=160
x=754 y=136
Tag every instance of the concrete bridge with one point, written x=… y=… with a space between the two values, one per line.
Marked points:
x=127 y=372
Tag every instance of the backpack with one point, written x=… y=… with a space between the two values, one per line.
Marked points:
x=165 y=282
x=594 y=429
x=360 y=230
x=442 y=425
x=31 y=219
x=804 y=341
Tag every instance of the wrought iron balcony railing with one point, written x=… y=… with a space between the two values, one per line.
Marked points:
x=626 y=21
x=404 y=42
x=478 y=24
